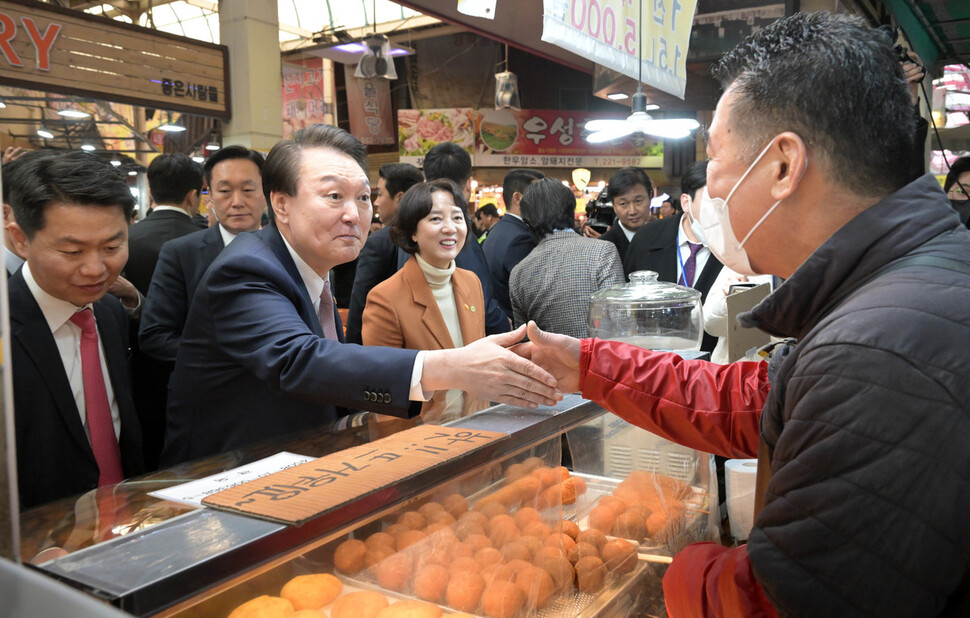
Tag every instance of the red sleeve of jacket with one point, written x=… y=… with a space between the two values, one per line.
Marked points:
x=709 y=580
x=702 y=405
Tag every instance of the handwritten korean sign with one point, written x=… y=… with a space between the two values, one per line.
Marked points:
x=608 y=32
x=299 y=493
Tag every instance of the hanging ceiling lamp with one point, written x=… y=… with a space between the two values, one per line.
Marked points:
x=639 y=123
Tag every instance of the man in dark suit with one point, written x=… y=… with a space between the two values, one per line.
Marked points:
x=175 y=183
x=75 y=419
x=260 y=356
x=509 y=240
x=669 y=245
x=378 y=258
x=236 y=197
x=630 y=191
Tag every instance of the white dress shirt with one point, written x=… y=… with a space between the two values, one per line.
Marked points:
x=67 y=337
x=626 y=232
x=228 y=237
x=175 y=208
x=700 y=260
x=11 y=260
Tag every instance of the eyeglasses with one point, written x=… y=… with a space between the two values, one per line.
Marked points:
x=636 y=202
x=957 y=192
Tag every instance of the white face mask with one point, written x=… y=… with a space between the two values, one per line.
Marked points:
x=695 y=224
x=716 y=223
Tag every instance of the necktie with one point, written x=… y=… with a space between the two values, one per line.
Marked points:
x=325 y=313
x=690 y=266
x=97 y=409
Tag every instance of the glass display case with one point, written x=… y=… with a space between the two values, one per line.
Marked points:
x=505 y=530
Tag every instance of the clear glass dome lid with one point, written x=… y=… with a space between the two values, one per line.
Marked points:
x=653 y=314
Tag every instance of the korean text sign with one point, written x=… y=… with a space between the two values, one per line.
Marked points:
x=607 y=31
x=301 y=492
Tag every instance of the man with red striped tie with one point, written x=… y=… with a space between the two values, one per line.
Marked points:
x=75 y=420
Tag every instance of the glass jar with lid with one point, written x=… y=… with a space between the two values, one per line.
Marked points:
x=648 y=313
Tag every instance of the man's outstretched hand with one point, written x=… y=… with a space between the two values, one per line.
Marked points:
x=557 y=354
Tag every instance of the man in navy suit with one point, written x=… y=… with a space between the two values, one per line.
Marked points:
x=236 y=197
x=260 y=356
x=630 y=191
x=75 y=420
x=509 y=240
x=378 y=258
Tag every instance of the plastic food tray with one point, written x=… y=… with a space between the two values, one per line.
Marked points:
x=643 y=581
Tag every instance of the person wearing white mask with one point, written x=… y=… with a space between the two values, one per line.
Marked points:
x=861 y=425
x=674 y=247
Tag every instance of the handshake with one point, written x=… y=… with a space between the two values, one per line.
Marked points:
x=502 y=368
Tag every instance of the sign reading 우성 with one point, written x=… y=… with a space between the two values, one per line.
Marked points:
x=606 y=31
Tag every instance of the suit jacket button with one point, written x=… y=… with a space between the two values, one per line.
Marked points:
x=374 y=396
x=387 y=398
x=366 y=395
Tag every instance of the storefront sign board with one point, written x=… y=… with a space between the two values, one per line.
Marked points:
x=369 y=108
x=610 y=32
x=47 y=48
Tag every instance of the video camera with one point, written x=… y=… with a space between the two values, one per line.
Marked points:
x=599 y=213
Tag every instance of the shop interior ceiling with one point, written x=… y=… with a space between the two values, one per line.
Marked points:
x=940 y=29
x=303 y=24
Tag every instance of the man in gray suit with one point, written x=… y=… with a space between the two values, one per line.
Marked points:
x=552 y=284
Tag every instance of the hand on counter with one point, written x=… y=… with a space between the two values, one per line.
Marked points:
x=487 y=369
x=557 y=354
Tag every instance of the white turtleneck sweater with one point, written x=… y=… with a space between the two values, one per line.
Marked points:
x=440 y=282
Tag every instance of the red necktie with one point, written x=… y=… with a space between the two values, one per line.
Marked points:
x=97 y=409
x=690 y=266
x=325 y=313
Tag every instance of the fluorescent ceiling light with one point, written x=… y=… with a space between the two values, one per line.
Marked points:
x=171 y=128
x=73 y=113
x=652 y=106
x=2 y=105
x=132 y=173
x=617 y=96
x=115 y=162
x=88 y=147
x=43 y=132
x=212 y=146
x=199 y=159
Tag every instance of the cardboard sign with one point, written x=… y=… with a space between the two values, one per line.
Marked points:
x=743 y=340
x=300 y=493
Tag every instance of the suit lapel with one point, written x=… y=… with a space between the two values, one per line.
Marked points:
x=30 y=329
x=423 y=297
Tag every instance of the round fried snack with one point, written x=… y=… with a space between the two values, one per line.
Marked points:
x=620 y=556
x=263 y=607
x=491 y=508
x=525 y=516
x=375 y=555
x=502 y=599
x=537 y=586
x=569 y=527
x=308 y=613
x=409 y=538
x=312 y=591
x=632 y=524
x=364 y=604
x=349 y=557
x=488 y=556
x=581 y=550
x=411 y=609
x=560 y=540
x=412 y=519
x=602 y=518
x=532 y=542
x=655 y=523
x=428 y=509
x=532 y=464
x=394 y=572
x=464 y=591
x=379 y=538
x=590 y=574
x=547 y=476
x=592 y=536
x=614 y=504
x=465 y=563
x=430 y=583
x=516 y=551
x=455 y=504
x=559 y=568
x=477 y=542
x=503 y=530
x=514 y=472
x=498 y=571
x=537 y=529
